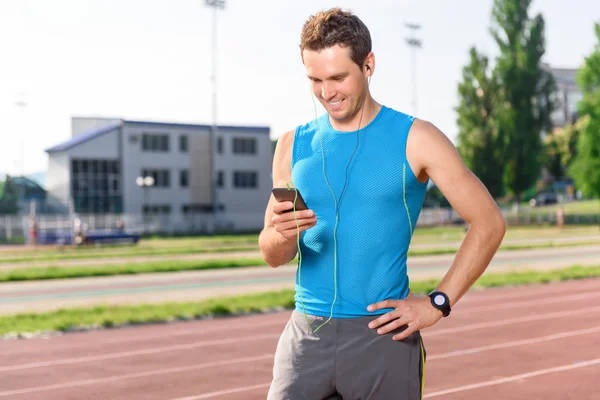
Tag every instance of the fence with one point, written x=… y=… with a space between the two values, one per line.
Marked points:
x=15 y=228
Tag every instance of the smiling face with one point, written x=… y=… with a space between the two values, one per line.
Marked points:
x=335 y=47
x=338 y=82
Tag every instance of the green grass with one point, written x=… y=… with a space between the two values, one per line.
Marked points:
x=68 y=272
x=573 y=211
x=53 y=272
x=112 y=316
x=12 y=240
x=110 y=253
x=145 y=246
x=507 y=247
x=454 y=234
x=232 y=244
x=518 y=278
x=584 y=207
x=219 y=239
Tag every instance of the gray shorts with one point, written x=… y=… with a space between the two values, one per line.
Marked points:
x=345 y=359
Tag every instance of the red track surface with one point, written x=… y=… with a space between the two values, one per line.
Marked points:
x=538 y=342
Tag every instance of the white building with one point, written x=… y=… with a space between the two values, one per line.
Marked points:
x=96 y=172
x=568 y=94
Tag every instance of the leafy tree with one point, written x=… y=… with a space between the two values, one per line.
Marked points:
x=9 y=199
x=478 y=141
x=526 y=89
x=585 y=168
x=560 y=148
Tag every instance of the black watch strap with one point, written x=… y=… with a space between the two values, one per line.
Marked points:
x=440 y=301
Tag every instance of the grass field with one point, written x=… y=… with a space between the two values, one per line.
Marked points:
x=584 y=207
x=453 y=234
x=125 y=268
x=88 y=318
x=85 y=318
x=231 y=244
x=53 y=272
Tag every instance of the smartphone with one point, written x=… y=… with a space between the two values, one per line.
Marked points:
x=285 y=194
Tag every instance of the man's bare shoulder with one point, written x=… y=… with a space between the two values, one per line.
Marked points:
x=286 y=139
x=283 y=149
x=282 y=159
x=426 y=146
x=425 y=132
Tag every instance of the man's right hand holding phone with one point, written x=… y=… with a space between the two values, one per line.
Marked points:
x=285 y=223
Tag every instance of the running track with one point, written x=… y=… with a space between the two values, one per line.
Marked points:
x=538 y=342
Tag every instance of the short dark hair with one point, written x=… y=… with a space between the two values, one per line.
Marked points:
x=337 y=27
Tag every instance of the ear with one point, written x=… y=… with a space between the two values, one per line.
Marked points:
x=370 y=64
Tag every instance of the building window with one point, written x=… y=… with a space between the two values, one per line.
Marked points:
x=183 y=143
x=196 y=208
x=153 y=209
x=96 y=186
x=154 y=142
x=220 y=145
x=184 y=178
x=220 y=179
x=133 y=139
x=245 y=179
x=162 y=177
x=244 y=145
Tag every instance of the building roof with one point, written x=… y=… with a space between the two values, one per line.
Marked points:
x=232 y=128
x=27 y=183
x=89 y=135
x=82 y=138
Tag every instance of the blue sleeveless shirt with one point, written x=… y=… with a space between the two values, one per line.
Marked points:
x=376 y=216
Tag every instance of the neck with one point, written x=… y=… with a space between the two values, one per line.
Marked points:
x=369 y=111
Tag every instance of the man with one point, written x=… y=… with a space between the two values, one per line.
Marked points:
x=362 y=169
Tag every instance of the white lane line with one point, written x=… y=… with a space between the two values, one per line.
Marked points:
x=270 y=356
x=499 y=295
x=515 y=343
x=201 y=330
x=513 y=378
x=224 y=392
x=197 y=331
x=519 y=304
x=434 y=357
x=133 y=376
x=154 y=350
x=483 y=325
x=189 y=346
x=428 y=395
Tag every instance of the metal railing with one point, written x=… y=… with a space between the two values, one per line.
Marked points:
x=18 y=227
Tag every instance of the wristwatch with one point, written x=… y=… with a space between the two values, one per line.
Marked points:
x=440 y=301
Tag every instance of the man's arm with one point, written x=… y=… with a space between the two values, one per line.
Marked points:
x=471 y=200
x=431 y=154
x=277 y=240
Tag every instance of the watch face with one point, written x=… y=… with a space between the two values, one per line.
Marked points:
x=439 y=300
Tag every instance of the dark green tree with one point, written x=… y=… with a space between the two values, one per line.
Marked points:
x=552 y=156
x=526 y=88
x=585 y=168
x=560 y=148
x=9 y=198
x=478 y=141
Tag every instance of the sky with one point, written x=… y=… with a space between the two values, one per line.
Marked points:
x=151 y=60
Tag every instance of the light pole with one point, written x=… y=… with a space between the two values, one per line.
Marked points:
x=22 y=104
x=145 y=182
x=216 y=5
x=414 y=43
